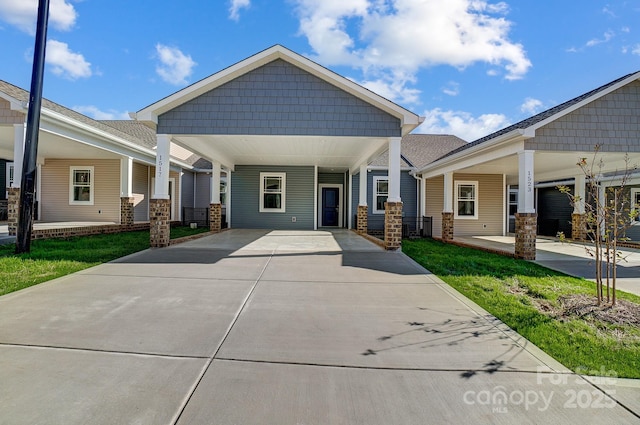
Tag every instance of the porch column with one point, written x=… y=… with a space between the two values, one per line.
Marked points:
x=13 y=198
x=579 y=217
x=363 y=210
x=160 y=204
x=215 y=207
x=447 y=210
x=126 y=191
x=526 y=217
x=393 y=206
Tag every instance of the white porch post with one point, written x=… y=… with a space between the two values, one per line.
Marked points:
x=447 y=209
x=215 y=208
x=362 y=223
x=526 y=217
x=394 y=170
x=393 y=206
x=18 y=153
x=160 y=203
x=350 y=200
x=126 y=191
x=578 y=218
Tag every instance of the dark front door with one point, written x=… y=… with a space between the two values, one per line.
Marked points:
x=330 y=206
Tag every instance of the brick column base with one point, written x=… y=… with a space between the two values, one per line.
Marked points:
x=215 y=217
x=578 y=227
x=392 y=225
x=126 y=211
x=13 y=209
x=447 y=226
x=362 y=218
x=159 y=217
x=526 y=235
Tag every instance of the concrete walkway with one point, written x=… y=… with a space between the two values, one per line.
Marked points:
x=571 y=258
x=258 y=327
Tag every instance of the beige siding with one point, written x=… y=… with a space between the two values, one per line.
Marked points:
x=140 y=192
x=490 y=205
x=54 y=198
x=7 y=116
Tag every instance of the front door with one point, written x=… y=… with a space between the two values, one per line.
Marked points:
x=330 y=206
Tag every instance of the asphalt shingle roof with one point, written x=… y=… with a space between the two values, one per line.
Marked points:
x=418 y=150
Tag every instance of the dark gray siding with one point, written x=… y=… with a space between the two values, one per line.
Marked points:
x=408 y=194
x=203 y=190
x=245 y=187
x=330 y=178
x=554 y=212
x=279 y=98
x=3 y=179
x=187 y=189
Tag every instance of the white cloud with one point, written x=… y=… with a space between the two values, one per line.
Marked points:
x=451 y=89
x=636 y=49
x=606 y=37
x=23 y=14
x=175 y=66
x=66 y=63
x=97 y=114
x=236 y=5
x=390 y=40
x=461 y=124
x=531 y=106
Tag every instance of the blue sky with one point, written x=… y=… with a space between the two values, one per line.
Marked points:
x=469 y=66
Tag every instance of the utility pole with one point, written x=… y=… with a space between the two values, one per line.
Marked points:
x=27 y=185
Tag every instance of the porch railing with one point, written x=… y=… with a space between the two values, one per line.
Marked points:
x=195 y=215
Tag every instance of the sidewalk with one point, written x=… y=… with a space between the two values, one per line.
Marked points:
x=259 y=327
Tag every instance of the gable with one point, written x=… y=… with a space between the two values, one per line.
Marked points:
x=610 y=121
x=279 y=98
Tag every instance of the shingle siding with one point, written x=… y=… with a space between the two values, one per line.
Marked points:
x=611 y=122
x=279 y=99
x=299 y=203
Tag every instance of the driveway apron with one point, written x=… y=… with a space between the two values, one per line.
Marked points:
x=277 y=327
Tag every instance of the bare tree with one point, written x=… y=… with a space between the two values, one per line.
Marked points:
x=608 y=214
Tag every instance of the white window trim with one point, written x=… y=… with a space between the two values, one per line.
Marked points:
x=374 y=192
x=475 y=200
x=92 y=177
x=283 y=192
x=9 y=181
x=634 y=193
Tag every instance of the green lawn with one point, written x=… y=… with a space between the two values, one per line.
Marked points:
x=53 y=258
x=512 y=290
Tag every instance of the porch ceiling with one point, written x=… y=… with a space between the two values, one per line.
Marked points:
x=549 y=165
x=338 y=153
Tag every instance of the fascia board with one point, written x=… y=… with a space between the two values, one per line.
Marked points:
x=506 y=144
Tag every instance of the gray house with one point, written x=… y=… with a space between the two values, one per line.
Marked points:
x=291 y=136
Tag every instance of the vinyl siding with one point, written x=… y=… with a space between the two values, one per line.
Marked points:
x=140 y=192
x=554 y=212
x=245 y=184
x=55 y=191
x=203 y=190
x=172 y=175
x=187 y=189
x=490 y=205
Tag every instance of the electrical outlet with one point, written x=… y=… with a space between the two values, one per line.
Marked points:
x=293 y=219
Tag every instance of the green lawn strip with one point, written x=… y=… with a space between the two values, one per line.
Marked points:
x=510 y=290
x=182 y=231
x=52 y=258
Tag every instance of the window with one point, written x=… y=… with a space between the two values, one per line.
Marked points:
x=635 y=201
x=513 y=202
x=10 y=177
x=466 y=200
x=81 y=186
x=223 y=191
x=380 y=193
x=272 y=192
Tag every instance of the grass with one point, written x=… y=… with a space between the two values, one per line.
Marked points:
x=52 y=258
x=513 y=289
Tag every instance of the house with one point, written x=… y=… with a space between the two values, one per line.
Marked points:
x=475 y=189
x=291 y=137
x=88 y=171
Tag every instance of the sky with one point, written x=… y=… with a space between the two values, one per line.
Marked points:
x=470 y=67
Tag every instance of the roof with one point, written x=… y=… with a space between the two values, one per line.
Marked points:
x=418 y=150
x=551 y=113
x=409 y=120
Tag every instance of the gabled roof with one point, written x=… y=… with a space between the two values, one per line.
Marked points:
x=418 y=150
x=408 y=119
x=538 y=120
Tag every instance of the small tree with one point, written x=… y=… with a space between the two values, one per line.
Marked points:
x=608 y=213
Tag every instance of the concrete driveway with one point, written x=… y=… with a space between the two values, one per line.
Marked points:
x=260 y=327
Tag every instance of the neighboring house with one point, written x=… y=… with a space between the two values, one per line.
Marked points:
x=417 y=150
x=471 y=191
x=87 y=171
x=289 y=134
